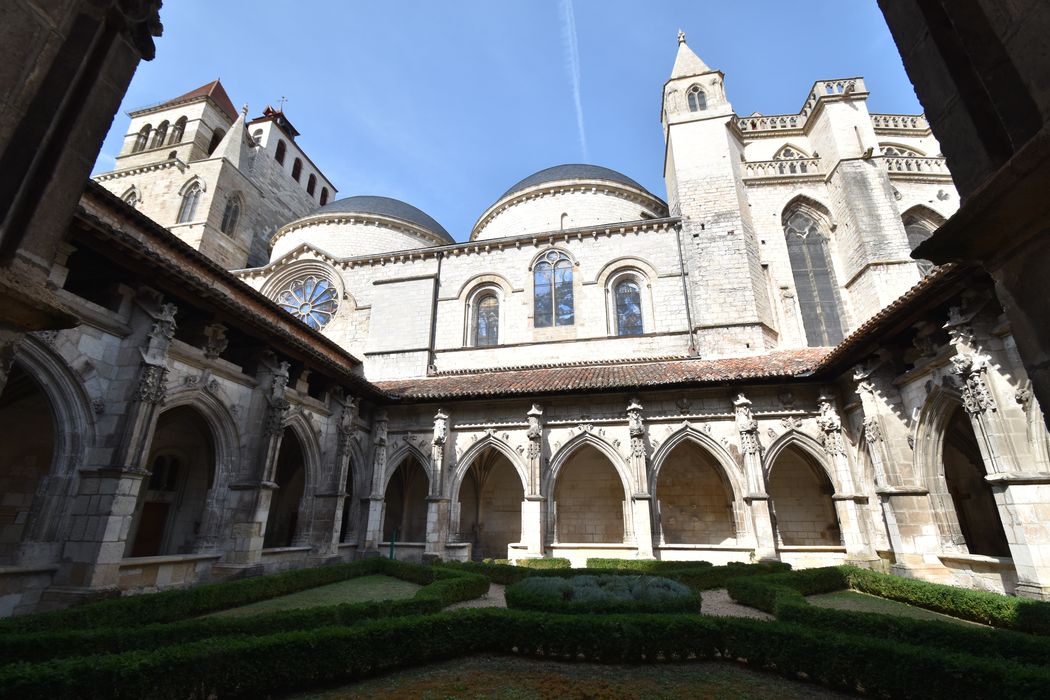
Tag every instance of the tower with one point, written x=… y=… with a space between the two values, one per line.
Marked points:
x=731 y=313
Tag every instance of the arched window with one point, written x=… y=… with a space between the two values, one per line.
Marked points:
x=312 y=300
x=188 y=209
x=814 y=280
x=297 y=169
x=697 y=99
x=142 y=139
x=486 y=320
x=892 y=150
x=628 y=294
x=311 y=185
x=918 y=229
x=257 y=136
x=160 y=134
x=131 y=198
x=178 y=131
x=216 y=139
x=553 y=303
x=324 y=196
x=279 y=155
x=230 y=215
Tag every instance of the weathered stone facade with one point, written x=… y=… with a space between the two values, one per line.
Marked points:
x=594 y=373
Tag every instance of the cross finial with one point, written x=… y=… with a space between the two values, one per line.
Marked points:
x=681 y=37
x=280 y=103
x=244 y=109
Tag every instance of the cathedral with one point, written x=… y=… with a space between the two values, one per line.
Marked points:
x=263 y=374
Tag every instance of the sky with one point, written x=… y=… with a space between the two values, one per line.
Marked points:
x=445 y=105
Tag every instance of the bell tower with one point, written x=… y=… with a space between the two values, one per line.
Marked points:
x=730 y=305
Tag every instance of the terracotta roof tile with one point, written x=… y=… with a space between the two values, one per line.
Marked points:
x=628 y=375
x=215 y=91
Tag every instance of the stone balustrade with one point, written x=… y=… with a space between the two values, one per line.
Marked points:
x=899 y=122
x=782 y=168
x=777 y=122
x=915 y=165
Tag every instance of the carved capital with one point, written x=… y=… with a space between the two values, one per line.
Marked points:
x=215 y=340
x=152 y=384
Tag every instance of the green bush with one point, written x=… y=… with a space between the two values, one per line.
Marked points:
x=766 y=592
x=603 y=594
x=649 y=566
x=545 y=563
x=269 y=665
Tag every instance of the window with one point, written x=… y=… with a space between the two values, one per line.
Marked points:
x=159 y=135
x=131 y=198
x=178 y=131
x=918 y=230
x=279 y=156
x=814 y=281
x=324 y=195
x=164 y=475
x=697 y=99
x=230 y=215
x=628 y=295
x=216 y=139
x=891 y=150
x=188 y=209
x=297 y=169
x=312 y=300
x=142 y=139
x=257 y=136
x=486 y=320
x=311 y=185
x=553 y=303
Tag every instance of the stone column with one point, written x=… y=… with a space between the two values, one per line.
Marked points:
x=329 y=499
x=844 y=498
x=757 y=498
x=641 y=499
x=532 y=508
x=873 y=436
x=437 y=502
x=377 y=497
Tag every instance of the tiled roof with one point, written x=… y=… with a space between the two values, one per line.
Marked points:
x=216 y=92
x=628 y=375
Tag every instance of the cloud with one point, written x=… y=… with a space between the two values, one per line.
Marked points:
x=572 y=65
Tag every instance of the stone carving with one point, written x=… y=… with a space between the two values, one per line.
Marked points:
x=970 y=369
x=787 y=398
x=636 y=428
x=440 y=428
x=747 y=426
x=215 y=340
x=791 y=423
x=140 y=21
x=1023 y=397
x=830 y=426
x=379 y=438
x=872 y=431
x=535 y=429
x=164 y=323
x=98 y=405
x=347 y=418
x=684 y=405
x=152 y=384
x=278 y=406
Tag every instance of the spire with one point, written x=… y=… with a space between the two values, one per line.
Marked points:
x=687 y=63
x=234 y=143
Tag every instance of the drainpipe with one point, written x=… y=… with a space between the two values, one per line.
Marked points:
x=432 y=363
x=685 y=289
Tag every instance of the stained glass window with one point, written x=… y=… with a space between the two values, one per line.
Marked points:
x=814 y=283
x=312 y=300
x=553 y=302
x=486 y=321
x=628 y=308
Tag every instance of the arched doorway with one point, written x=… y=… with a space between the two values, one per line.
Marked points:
x=25 y=456
x=282 y=522
x=695 y=501
x=964 y=473
x=406 y=503
x=800 y=500
x=346 y=524
x=171 y=501
x=588 y=499
x=490 y=505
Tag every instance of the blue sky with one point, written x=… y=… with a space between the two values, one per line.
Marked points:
x=447 y=104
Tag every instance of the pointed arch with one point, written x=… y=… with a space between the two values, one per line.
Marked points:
x=221 y=423
x=132 y=197
x=407 y=449
x=308 y=439
x=141 y=139
x=178 y=131
x=487 y=441
x=790 y=151
x=160 y=134
x=562 y=456
x=688 y=433
x=696 y=98
x=898 y=150
x=807 y=229
x=932 y=423
x=801 y=489
x=804 y=442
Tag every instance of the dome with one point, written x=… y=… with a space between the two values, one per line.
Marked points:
x=388 y=207
x=572 y=171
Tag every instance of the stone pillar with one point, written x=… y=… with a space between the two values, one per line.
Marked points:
x=532 y=508
x=641 y=500
x=873 y=436
x=1024 y=500
x=328 y=507
x=437 y=503
x=844 y=498
x=757 y=498
x=377 y=499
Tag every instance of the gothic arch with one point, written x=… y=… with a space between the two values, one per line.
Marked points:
x=689 y=433
x=195 y=180
x=932 y=423
x=559 y=459
x=394 y=461
x=223 y=428
x=307 y=436
x=476 y=449
x=924 y=213
x=781 y=153
x=812 y=206
x=485 y=279
x=804 y=442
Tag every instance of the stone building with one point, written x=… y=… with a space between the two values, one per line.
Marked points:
x=755 y=368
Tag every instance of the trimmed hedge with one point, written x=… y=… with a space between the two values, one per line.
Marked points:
x=649 y=566
x=603 y=594
x=545 y=563
x=440 y=589
x=263 y=666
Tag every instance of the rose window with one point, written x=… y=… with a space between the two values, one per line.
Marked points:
x=312 y=300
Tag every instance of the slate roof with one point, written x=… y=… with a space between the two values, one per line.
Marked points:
x=572 y=171
x=623 y=375
x=386 y=206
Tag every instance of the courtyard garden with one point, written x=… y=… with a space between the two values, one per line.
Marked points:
x=618 y=628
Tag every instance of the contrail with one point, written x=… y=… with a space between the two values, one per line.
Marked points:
x=572 y=49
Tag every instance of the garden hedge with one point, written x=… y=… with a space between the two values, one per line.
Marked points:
x=603 y=594
x=271 y=664
x=649 y=566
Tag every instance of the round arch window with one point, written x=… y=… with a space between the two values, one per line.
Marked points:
x=312 y=300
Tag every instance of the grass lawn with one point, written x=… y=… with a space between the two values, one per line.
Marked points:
x=511 y=678
x=855 y=601
x=355 y=590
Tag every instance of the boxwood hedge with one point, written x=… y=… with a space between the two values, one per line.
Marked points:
x=603 y=594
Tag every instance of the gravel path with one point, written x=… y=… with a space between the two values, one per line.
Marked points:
x=716 y=602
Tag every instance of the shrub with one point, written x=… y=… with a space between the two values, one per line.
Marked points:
x=603 y=594
x=545 y=563
x=649 y=566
